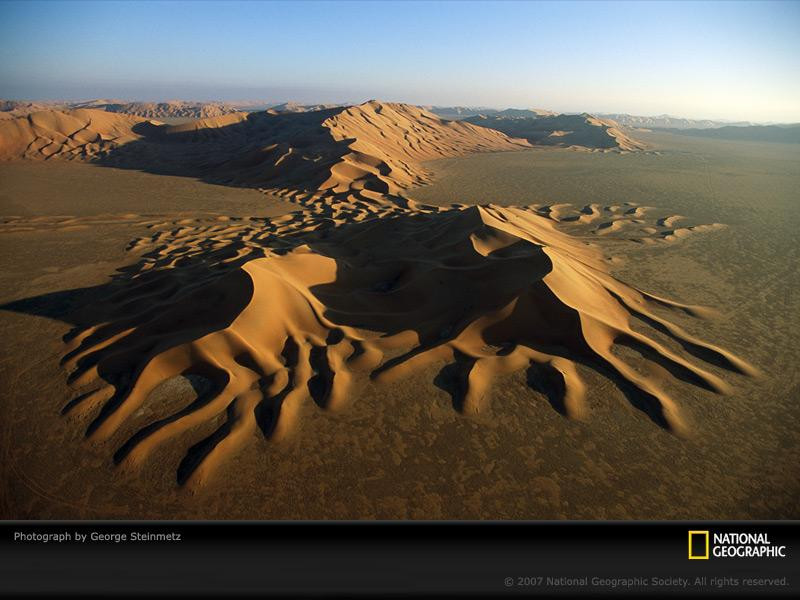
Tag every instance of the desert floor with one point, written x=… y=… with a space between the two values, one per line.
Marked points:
x=400 y=450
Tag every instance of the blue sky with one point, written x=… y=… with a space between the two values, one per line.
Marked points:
x=734 y=60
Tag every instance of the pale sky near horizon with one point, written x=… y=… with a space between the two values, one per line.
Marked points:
x=727 y=60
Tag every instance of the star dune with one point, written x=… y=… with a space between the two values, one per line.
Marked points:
x=360 y=282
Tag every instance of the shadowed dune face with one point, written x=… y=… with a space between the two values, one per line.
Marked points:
x=374 y=145
x=583 y=131
x=268 y=314
x=262 y=315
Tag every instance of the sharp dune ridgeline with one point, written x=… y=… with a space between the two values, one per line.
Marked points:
x=667 y=121
x=464 y=112
x=162 y=110
x=361 y=282
x=376 y=145
x=295 y=107
x=11 y=109
x=75 y=134
x=578 y=131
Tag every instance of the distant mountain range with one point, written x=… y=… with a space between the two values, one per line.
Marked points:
x=11 y=109
x=161 y=110
x=294 y=107
x=538 y=126
x=171 y=109
x=786 y=134
x=149 y=110
x=622 y=119
x=457 y=113
x=668 y=122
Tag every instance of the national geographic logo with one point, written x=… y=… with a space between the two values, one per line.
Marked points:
x=698 y=545
x=703 y=545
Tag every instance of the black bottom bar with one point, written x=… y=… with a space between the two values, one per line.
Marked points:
x=399 y=559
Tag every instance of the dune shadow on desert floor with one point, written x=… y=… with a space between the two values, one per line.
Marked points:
x=257 y=150
x=263 y=315
x=373 y=146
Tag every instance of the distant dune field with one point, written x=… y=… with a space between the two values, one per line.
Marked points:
x=783 y=134
x=580 y=131
x=232 y=332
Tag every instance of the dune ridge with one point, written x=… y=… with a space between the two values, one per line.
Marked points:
x=159 y=110
x=271 y=314
x=374 y=145
x=81 y=134
x=14 y=109
x=582 y=131
x=361 y=282
x=390 y=140
x=296 y=107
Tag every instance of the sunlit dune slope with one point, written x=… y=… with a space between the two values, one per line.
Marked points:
x=171 y=109
x=271 y=314
x=361 y=282
x=373 y=145
x=387 y=141
x=82 y=134
x=583 y=131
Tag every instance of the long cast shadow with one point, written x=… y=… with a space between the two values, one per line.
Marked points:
x=417 y=272
x=287 y=150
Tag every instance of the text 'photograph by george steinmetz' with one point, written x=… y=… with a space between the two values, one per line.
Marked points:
x=401 y=261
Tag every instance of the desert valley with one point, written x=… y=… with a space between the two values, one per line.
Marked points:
x=378 y=311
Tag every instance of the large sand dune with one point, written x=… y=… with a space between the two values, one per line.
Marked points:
x=81 y=134
x=265 y=314
x=14 y=109
x=369 y=145
x=295 y=107
x=578 y=131
x=262 y=315
x=162 y=110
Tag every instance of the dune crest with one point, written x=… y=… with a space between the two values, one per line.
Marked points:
x=375 y=145
x=582 y=131
x=81 y=134
x=272 y=313
x=360 y=282
x=159 y=110
x=388 y=141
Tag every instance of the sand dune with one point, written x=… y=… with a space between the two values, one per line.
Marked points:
x=14 y=109
x=627 y=221
x=262 y=315
x=580 y=131
x=270 y=313
x=669 y=221
x=161 y=110
x=295 y=107
x=389 y=140
x=455 y=113
x=666 y=121
x=81 y=134
x=371 y=145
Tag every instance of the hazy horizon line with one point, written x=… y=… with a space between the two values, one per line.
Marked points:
x=268 y=103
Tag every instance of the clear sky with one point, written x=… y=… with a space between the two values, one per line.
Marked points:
x=733 y=60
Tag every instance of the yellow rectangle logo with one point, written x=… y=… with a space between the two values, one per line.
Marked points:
x=698 y=556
